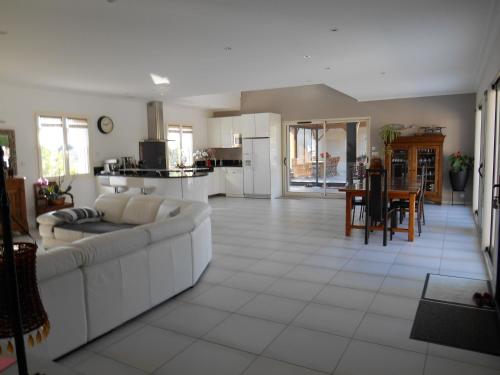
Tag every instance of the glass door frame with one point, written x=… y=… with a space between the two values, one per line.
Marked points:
x=324 y=193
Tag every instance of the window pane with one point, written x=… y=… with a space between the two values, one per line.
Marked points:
x=51 y=141
x=78 y=150
x=187 y=148
x=174 y=144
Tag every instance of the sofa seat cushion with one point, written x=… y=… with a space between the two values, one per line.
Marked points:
x=95 y=228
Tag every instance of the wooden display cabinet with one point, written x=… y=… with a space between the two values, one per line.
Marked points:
x=17 y=200
x=410 y=153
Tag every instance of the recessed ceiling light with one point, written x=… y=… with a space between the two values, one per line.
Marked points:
x=307 y=57
x=334 y=29
x=3 y=32
x=159 y=80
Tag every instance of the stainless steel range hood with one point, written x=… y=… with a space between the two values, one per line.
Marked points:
x=155 y=121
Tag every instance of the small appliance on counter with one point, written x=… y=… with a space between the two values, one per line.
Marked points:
x=111 y=166
x=127 y=162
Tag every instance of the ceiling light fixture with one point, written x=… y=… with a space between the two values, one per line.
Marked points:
x=334 y=29
x=159 y=80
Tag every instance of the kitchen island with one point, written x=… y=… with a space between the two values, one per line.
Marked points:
x=189 y=184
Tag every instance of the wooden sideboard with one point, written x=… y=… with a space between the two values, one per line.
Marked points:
x=17 y=198
x=410 y=153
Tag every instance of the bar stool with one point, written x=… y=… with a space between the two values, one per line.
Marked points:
x=119 y=183
x=139 y=183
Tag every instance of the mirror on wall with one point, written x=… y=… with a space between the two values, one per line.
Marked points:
x=8 y=143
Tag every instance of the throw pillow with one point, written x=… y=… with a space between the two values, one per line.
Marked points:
x=79 y=215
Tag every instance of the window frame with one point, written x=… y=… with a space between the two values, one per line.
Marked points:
x=181 y=131
x=64 y=117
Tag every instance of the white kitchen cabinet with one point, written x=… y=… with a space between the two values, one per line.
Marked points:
x=262 y=124
x=222 y=180
x=247 y=125
x=237 y=125
x=234 y=182
x=214 y=133
x=213 y=182
x=226 y=131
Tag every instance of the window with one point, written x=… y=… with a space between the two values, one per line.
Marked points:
x=180 y=145
x=63 y=144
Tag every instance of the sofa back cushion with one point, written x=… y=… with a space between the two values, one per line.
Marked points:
x=141 y=209
x=112 y=206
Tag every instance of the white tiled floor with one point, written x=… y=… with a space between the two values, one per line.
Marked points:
x=288 y=293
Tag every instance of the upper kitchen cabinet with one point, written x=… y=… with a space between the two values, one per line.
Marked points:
x=248 y=125
x=214 y=132
x=226 y=131
x=238 y=125
x=262 y=124
x=221 y=130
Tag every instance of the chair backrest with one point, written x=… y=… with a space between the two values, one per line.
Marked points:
x=423 y=181
x=376 y=193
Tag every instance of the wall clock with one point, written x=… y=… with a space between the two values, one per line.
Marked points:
x=105 y=124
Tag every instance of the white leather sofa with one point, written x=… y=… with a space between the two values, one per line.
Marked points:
x=98 y=282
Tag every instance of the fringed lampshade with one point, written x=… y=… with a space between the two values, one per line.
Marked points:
x=35 y=322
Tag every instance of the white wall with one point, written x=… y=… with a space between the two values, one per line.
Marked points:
x=20 y=104
x=197 y=118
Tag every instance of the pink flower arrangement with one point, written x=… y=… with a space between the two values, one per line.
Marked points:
x=42 y=181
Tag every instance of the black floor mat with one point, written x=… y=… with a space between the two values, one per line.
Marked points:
x=458 y=326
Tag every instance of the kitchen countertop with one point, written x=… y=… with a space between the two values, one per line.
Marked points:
x=159 y=173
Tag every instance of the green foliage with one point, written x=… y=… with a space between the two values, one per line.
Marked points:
x=388 y=134
x=52 y=163
x=460 y=162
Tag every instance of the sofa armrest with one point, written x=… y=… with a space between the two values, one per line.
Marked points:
x=103 y=247
x=56 y=262
x=191 y=215
x=197 y=211
x=48 y=219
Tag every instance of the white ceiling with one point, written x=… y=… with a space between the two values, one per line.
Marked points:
x=425 y=47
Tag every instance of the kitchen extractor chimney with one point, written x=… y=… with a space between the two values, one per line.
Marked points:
x=155 y=121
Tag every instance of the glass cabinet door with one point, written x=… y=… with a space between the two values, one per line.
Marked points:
x=426 y=156
x=399 y=164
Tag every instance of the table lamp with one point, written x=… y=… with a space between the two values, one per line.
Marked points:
x=21 y=309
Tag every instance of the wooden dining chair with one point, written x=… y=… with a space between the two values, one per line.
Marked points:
x=404 y=205
x=377 y=211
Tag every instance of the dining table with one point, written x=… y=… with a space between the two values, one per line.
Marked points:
x=398 y=189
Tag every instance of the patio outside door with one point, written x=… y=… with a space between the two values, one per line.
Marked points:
x=321 y=154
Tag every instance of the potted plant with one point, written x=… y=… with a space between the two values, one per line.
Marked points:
x=54 y=192
x=388 y=133
x=460 y=165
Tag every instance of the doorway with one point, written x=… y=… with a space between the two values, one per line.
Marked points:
x=321 y=153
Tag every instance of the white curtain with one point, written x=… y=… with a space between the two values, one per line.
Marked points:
x=488 y=168
x=477 y=156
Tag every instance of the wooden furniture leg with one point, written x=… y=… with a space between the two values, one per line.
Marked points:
x=348 y=210
x=411 y=218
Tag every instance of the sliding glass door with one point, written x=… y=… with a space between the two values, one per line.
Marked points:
x=305 y=160
x=321 y=154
